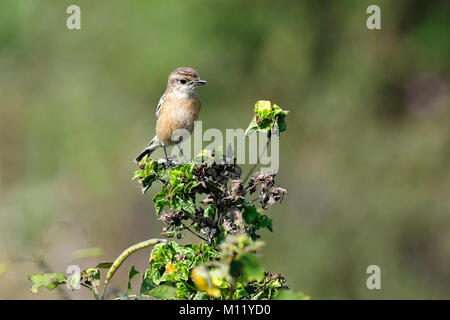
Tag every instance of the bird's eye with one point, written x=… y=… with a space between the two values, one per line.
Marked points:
x=182 y=81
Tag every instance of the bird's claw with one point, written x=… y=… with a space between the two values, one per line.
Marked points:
x=169 y=162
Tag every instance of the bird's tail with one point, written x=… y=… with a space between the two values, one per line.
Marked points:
x=152 y=146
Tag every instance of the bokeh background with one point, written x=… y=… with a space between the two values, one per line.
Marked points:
x=365 y=160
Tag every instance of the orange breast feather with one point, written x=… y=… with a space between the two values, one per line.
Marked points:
x=176 y=113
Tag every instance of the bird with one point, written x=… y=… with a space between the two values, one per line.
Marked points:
x=178 y=108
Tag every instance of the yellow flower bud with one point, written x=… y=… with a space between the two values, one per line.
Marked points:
x=263 y=107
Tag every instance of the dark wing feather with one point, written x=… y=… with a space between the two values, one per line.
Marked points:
x=160 y=103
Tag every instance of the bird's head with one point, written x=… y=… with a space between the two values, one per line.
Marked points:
x=184 y=80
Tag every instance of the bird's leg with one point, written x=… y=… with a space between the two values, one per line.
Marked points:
x=169 y=162
x=165 y=153
x=182 y=154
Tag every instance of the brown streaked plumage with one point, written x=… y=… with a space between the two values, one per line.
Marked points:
x=178 y=108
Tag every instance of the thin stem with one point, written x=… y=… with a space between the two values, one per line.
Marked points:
x=124 y=255
x=194 y=233
x=92 y=289
x=135 y=296
x=258 y=159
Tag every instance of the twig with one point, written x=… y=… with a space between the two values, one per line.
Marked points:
x=123 y=256
x=135 y=296
x=93 y=289
x=194 y=233
x=259 y=158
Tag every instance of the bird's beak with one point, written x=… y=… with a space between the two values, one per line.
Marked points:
x=200 y=82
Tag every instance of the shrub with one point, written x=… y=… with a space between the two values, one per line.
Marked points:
x=207 y=198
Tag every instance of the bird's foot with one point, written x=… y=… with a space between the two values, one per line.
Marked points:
x=169 y=162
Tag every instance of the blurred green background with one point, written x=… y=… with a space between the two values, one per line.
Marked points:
x=365 y=160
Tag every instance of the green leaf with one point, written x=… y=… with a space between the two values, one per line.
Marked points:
x=200 y=295
x=250 y=214
x=159 y=206
x=281 y=122
x=147 y=183
x=149 y=168
x=133 y=273
x=163 y=292
x=251 y=269
x=191 y=185
x=265 y=222
x=210 y=211
x=147 y=283
x=252 y=127
x=160 y=200
x=160 y=171
x=145 y=159
x=265 y=124
x=277 y=109
x=87 y=253
x=240 y=292
x=182 y=291
x=138 y=174
x=188 y=206
x=275 y=283
x=160 y=195
x=178 y=189
x=104 y=265
x=48 y=280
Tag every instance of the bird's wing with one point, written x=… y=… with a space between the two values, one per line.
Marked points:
x=160 y=103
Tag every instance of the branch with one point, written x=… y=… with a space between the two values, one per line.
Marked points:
x=124 y=255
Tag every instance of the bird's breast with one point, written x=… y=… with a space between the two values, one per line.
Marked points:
x=177 y=112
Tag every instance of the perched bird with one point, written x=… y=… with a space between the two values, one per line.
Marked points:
x=178 y=108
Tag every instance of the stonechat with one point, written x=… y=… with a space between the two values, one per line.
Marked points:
x=178 y=108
